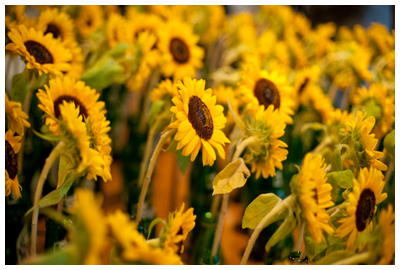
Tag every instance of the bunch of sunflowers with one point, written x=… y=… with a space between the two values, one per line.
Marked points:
x=301 y=119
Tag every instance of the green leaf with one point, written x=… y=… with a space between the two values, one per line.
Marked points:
x=118 y=51
x=182 y=160
x=234 y=175
x=284 y=230
x=38 y=82
x=19 y=87
x=389 y=143
x=238 y=121
x=56 y=195
x=259 y=208
x=335 y=256
x=314 y=126
x=154 y=110
x=336 y=158
x=47 y=137
x=154 y=223
x=172 y=147
x=62 y=257
x=343 y=179
x=313 y=249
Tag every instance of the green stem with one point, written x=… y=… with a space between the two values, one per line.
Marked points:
x=356 y=259
x=240 y=148
x=333 y=210
x=325 y=142
x=280 y=206
x=57 y=151
x=150 y=169
x=153 y=80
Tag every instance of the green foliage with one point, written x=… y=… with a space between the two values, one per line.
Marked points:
x=389 y=143
x=343 y=179
x=285 y=229
x=154 y=110
x=313 y=249
x=234 y=175
x=259 y=208
x=336 y=158
x=154 y=223
x=183 y=161
x=335 y=256
x=20 y=86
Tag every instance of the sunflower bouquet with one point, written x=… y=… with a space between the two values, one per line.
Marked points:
x=277 y=133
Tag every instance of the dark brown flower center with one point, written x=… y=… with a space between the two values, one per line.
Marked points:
x=180 y=244
x=179 y=50
x=315 y=195
x=51 y=28
x=365 y=209
x=41 y=54
x=303 y=86
x=200 y=118
x=267 y=93
x=11 y=161
x=59 y=101
x=89 y=22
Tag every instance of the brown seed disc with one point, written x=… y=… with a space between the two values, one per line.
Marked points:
x=179 y=50
x=11 y=161
x=41 y=54
x=365 y=209
x=267 y=93
x=303 y=86
x=200 y=118
x=59 y=101
x=51 y=28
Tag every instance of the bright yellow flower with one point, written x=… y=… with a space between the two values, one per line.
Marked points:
x=387 y=224
x=12 y=147
x=165 y=89
x=15 y=116
x=115 y=29
x=58 y=23
x=89 y=20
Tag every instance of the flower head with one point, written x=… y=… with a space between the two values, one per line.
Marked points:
x=15 y=116
x=12 y=147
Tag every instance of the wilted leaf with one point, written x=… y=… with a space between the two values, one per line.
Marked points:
x=284 y=230
x=234 y=175
x=259 y=208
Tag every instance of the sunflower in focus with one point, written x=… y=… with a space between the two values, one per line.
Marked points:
x=366 y=194
x=68 y=90
x=263 y=88
x=376 y=102
x=165 y=89
x=89 y=20
x=43 y=53
x=387 y=225
x=199 y=121
x=58 y=23
x=358 y=134
x=132 y=246
x=314 y=196
x=180 y=223
x=15 y=116
x=180 y=54
x=115 y=29
x=12 y=147
x=268 y=153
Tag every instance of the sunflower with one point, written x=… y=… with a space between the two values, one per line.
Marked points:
x=43 y=53
x=89 y=20
x=267 y=126
x=387 y=224
x=132 y=245
x=91 y=221
x=376 y=102
x=115 y=29
x=73 y=131
x=366 y=194
x=358 y=134
x=98 y=127
x=69 y=90
x=199 y=121
x=15 y=116
x=216 y=17
x=165 y=89
x=180 y=54
x=58 y=23
x=260 y=87
x=381 y=37
x=314 y=196
x=321 y=102
x=12 y=146
x=143 y=22
x=77 y=61
x=304 y=81
x=179 y=225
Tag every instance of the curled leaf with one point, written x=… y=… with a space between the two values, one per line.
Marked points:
x=234 y=175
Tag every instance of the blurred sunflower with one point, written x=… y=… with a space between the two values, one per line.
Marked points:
x=43 y=53
x=15 y=116
x=387 y=229
x=58 y=23
x=77 y=61
x=199 y=121
x=180 y=54
x=115 y=29
x=132 y=246
x=381 y=37
x=143 y=22
x=12 y=147
x=303 y=82
x=260 y=87
x=69 y=90
x=366 y=194
x=225 y=93
x=268 y=153
x=321 y=102
x=89 y=20
x=165 y=89
x=357 y=132
x=180 y=223
x=377 y=103
x=314 y=196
